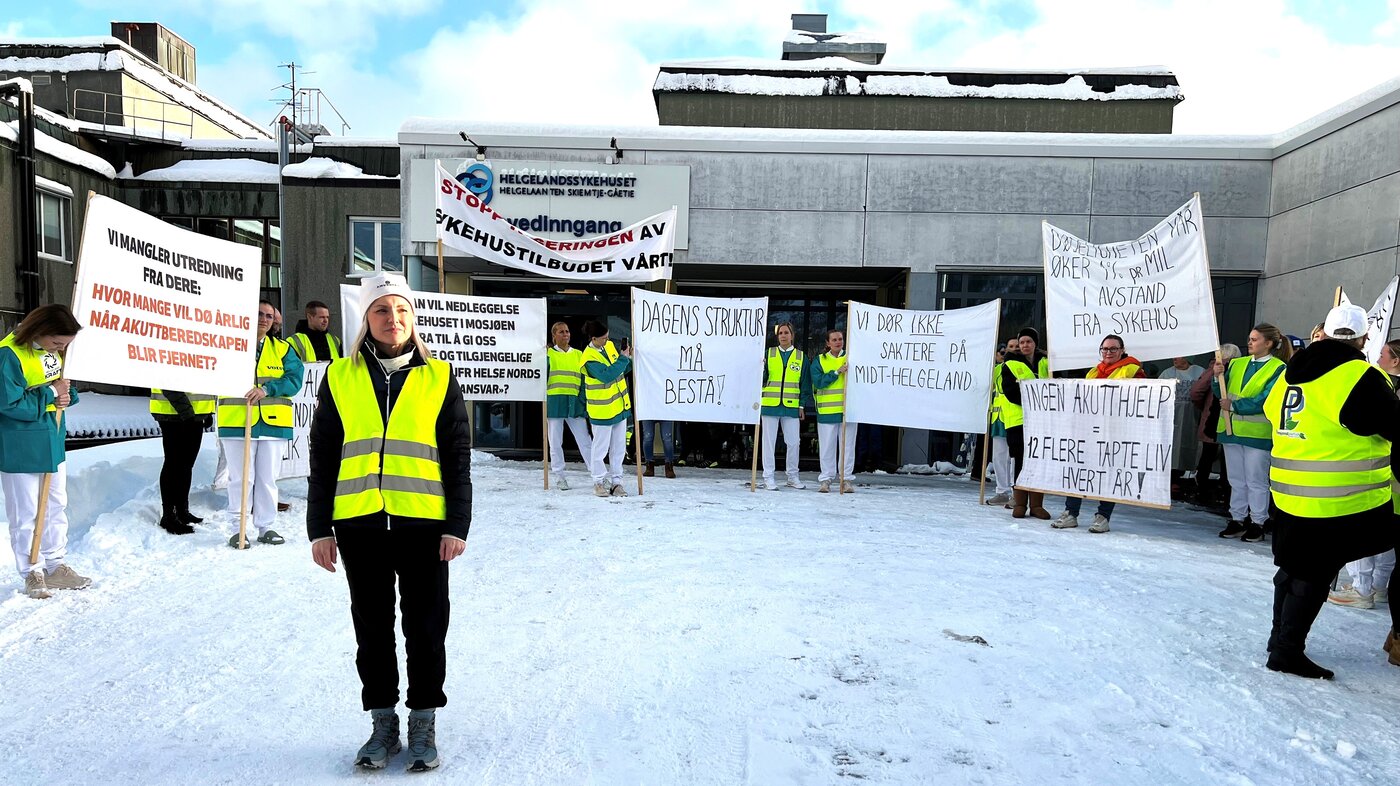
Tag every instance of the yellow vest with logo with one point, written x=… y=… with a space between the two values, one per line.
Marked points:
x=998 y=398
x=1248 y=426
x=565 y=373
x=394 y=469
x=1012 y=415
x=199 y=402
x=784 y=384
x=605 y=400
x=301 y=342
x=1317 y=468
x=41 y=367
x=832 y=400
x=273 y=410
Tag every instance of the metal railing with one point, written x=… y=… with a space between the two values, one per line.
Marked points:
x=164 y=119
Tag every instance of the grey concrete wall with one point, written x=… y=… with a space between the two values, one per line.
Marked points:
x=1334 y=221
x=318 y=218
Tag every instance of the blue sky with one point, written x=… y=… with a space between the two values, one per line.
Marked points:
x=1246 y=66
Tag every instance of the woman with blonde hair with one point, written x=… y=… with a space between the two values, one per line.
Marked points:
x=390 y=491
x=1244 y=431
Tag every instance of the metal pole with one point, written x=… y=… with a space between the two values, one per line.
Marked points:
x=287 y=283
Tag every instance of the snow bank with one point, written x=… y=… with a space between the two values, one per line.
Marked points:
x=101 y=416
x=322 y=167
x=219 y=170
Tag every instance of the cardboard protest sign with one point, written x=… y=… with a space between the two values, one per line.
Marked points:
x=162 y=306
x=641 y=252
x=921 y=369
x=296 y=459
x=697 y=358
x=496 y=345
x=1155 y=292
x=1378 y=320
x=1099 y=439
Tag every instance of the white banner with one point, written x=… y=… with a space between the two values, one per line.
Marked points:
x=496 y=345
x=641 y=252
x=697 y=358
x=162 y=306
x=921 y=369
x=1100 y=439
x=1155 y=292
x=1378 y=321
x=296 y=459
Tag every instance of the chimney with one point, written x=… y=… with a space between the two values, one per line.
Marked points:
x=809 y=23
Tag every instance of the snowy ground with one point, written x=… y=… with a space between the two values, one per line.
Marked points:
x=698 y=634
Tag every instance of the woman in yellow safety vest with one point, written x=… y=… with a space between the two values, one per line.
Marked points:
x=786 y=389
x=32 y=392
x=565 y=404
x=829 y=392
x=1244 y=430
x=609 y=406
x=1030 y=363
x=182 y=418
x=278 y=378
x=996 y=428
x=390 y=491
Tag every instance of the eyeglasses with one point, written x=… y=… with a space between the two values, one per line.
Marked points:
x=1108 y=350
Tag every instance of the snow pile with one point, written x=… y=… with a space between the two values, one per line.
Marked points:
x=700 y=634
x=219 y=170
x=60 y=150
x=101 y=416
x=936 y=468
x=321 y=167
x=65 y=64
x=749 y=84
x=1073 y=89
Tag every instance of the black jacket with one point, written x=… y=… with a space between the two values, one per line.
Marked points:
x=328 y=437
x=320 y=343
x=1010 y=385
x=184 y=410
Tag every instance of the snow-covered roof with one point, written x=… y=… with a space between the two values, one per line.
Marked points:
x=60 y=150
x=327 y=140
x=841 y=64
x=808 y=37
x=214 y=170
x=1073 y=89
x=240 y=146
x=319 y=167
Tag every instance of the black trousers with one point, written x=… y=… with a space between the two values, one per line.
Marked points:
x=1016 y=447
x=180 y=439
x=374 y=559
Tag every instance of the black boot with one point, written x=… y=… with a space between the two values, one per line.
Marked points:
x=1295 y=611
x=170 y=522
x=188 y=517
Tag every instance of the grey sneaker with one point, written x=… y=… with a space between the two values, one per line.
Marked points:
x=422 y=741
x=64 y=577
x=1100 y=524
x=794 y=483
x=617 y=490
x=600 y=489
x=824 y=488
x=999 y=499
x=271 y=538
x=560 y=483
x=847 y=487
x=34 y=585
x=383 y=741
x=1066 y=520
x=769 y=484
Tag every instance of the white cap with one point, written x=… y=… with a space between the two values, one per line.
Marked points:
x=376 y=287
x=1345 y=322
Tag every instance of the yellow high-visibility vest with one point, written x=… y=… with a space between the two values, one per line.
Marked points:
x=40 y=366
x=394 y=469
x=605 y=400
x=1012 y=415
x=1248 y=426
x=201 y=404
x=565 y=372
x=784 y=384
x=832 y=400
x=273 y=410
x=305 y=350
x=1317 y=468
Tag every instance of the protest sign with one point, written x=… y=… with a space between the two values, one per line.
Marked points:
x=698 y=358
x=641 y=252
x=496 y=345
x=1155 y=292
x=1378 y=321
x=296 y=458
x=163 y=306
x=1099 y=439
x=921 y=369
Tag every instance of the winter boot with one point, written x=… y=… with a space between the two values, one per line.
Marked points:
x=172 y=523
x=1297 y=610
x=186 y=516
x=1037 y=506
x=383 y=741
x=422 y=741
x=650 y=471
x=1019 y=499
x=670 y=470
x=1392 y=647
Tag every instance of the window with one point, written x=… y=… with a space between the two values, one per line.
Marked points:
x=54 y=212
x=374 y=246
x=1022 y=301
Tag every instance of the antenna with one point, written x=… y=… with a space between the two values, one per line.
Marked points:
x=303 y=106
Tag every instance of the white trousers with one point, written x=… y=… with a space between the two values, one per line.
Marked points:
x=579 y=428
x=829 y=439
x=1002 y=465
x=1249 y=482
x=609 y=448
x=1371 y=573
x=790 y=427
x=262 y=483
x=22 y=507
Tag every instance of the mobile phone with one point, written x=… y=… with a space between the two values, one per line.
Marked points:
x=623 y=344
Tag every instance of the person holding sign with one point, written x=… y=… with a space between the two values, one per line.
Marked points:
x=269 y=401
x=1244 y=430
x=33 y=471
x=833 y=433
x=313 y=340
x=1030 y=363
x=390 y=490
x=1333 y=422
x=1114 y=365
x=609 y=406
x=786 y=388
x=564 y=404
x=182 y=418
